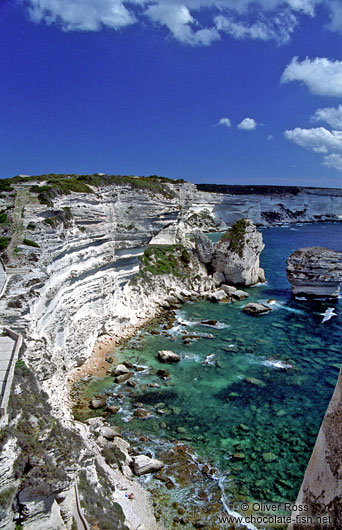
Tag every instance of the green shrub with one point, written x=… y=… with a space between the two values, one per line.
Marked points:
x=4 y=242
x=3 y=217
x=31 y=226
x=165 y=259
x=30 y=243
x=236 y=236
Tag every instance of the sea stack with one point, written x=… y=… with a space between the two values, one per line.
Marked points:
x=315 y=272
x=237 y=254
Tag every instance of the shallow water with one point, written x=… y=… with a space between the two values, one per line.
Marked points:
x=255 y=409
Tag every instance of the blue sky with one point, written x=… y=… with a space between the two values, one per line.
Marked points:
x=229 y=92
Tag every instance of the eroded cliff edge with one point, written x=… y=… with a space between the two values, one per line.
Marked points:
x=72 y=251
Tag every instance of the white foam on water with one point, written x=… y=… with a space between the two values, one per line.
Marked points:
x=280 y=365
x=230 y=512
x=281 y=305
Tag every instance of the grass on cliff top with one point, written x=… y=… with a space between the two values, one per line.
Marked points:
x=63 y=184
x=165 y=259
x=236 y=236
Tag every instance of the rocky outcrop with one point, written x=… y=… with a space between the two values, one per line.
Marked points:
x=321 y=490
x=315 y=272
x=237 y=254
x=204 y=248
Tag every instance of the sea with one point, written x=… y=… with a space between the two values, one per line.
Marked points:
x=246 y=402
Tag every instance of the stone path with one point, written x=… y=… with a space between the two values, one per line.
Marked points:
x=7 y=346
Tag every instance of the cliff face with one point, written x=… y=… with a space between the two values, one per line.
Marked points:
x=275 y=207
x=315 y=272
x=68 y=265
x=321 y=490
x=237 y=254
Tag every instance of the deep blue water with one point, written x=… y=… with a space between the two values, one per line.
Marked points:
x=256 y=422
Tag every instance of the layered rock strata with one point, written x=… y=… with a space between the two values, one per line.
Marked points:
x=315 y=272
x=237 y=254
x=69 y=263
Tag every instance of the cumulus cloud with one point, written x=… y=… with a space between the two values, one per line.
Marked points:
x=179 y=20
x=88 y=15
x=248 y=124
x=322 y=76
x=334 y=160
x=319 y=140
x=225 y=121
x=240 y=19
x=331 y=115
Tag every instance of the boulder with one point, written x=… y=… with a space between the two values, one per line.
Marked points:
x=204 y=248
x=262 y=277
x=237 y=254
x=121 y=444
x=256 y=309
x=110 y=432
x=315 y=272
x=142 y=465
x=229 y=289
x=217 y=296
x=124 y=377
x=121 y=369
x=240 y=295
x=141 y=413
x=163 y=374
x=218 y=278
x=97 y=403
x=166 y=356
x=113 y=409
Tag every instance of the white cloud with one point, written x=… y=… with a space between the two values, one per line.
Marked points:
x=178 y=19
x=248 y=124
x=225 y=121
x=331 y=115
x=335 y=16
x=88 y=15
x=334 y=160
x=241 y=19
x=322 y=76
x=319 y=140
x=278 y=29
x=270 y=137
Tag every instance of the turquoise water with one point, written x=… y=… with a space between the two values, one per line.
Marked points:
x=255 y=410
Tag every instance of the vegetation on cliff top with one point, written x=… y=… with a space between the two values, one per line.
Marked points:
x=165 y=259
x=52 y=185
x=236 y=236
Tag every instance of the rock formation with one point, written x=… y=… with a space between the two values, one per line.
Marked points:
x=237 y=253
x=315 y=272
x=321 y=490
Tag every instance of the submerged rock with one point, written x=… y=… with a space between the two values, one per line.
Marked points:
x=315 y=272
